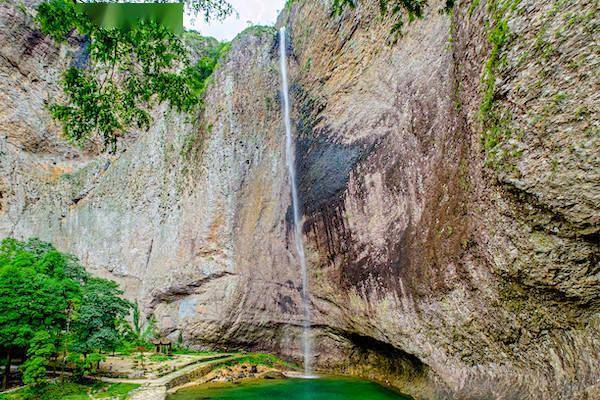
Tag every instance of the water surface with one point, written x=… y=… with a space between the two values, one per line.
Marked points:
x=291 y=389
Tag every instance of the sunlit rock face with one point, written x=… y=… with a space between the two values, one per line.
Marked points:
x=486 y=272
x=430 y=267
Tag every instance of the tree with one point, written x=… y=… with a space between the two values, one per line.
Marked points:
x=210 y=9
x=34 y=292
x=127 y=72
x=96 y=329
x=143 y=329
x=47 y=300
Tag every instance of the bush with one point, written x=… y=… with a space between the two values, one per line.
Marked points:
x=73 y=391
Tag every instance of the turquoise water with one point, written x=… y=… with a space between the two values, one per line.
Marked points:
x=291 y=389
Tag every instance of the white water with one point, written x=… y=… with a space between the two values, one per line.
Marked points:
x=289 y=157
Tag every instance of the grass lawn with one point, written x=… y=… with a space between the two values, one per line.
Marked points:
x=73 y=391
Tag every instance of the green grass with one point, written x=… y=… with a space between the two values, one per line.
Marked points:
x=268 y=360
x=73 y=391
x=119 y=390
x=160 y=357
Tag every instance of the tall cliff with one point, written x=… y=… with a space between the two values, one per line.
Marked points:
x=449 y=183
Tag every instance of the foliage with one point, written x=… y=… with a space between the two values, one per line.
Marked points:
x=47 y=300
x=396 y=8
x=40 y=350
x=143 y=329
x=37 y=283
x=136 y=332
x=198 y=76
x=73 y=391
x=116 y=390
x=495 y=124
x=211 y=9
x=85 y=364
x=59 y=18
x=101 y=307
x=127 y=72
x=265 y=359
x=160 y=357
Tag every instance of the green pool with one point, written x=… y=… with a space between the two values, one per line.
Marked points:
x=291 y=389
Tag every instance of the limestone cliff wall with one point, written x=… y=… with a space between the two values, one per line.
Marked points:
x=433 y=265
x=188 y=217
x=485 y=270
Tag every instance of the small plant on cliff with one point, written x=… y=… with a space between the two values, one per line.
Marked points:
x=126 y=73
x=495 y=122
x=396 y=8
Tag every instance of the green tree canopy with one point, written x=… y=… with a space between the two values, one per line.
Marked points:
x=47 y=300
x=126 y=72
x=96 y=325
x=35 y=286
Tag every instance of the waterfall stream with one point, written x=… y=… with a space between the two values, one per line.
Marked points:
x=289 y=157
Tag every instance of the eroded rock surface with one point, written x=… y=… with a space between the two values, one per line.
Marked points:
x=433 y=266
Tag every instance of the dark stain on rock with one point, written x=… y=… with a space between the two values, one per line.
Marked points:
x=33 y=39
x=289 y=284
x=286 y=304
x=323 y=166
x=323 y=170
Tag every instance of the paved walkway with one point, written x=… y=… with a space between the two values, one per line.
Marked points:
x=149 y=393
x=156 y=389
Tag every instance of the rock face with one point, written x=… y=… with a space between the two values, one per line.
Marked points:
x=441 y=261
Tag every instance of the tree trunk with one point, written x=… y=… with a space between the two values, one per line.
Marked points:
x=6 y=377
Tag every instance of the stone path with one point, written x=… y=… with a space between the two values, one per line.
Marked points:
x=156 y=389
x=149 y=393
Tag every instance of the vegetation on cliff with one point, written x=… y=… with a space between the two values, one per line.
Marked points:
x=125 y=73
x=396 y=8
x=495 y=123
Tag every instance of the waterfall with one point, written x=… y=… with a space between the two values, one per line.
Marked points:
x=289 y=157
